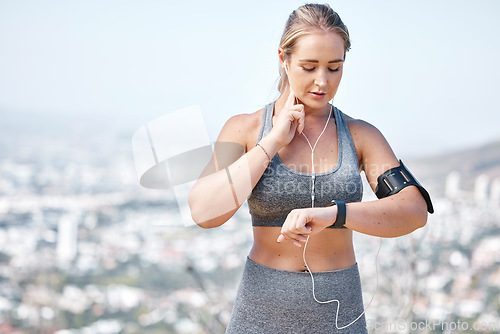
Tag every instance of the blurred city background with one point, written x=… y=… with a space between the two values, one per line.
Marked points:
x=85 y=249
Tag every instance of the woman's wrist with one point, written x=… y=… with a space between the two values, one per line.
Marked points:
x=269 y=145
x=331 y=215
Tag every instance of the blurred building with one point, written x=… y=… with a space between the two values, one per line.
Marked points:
x=67 y=238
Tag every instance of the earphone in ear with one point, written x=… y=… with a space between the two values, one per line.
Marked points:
x=288 y=77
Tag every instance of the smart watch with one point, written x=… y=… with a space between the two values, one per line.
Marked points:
x=341 y=213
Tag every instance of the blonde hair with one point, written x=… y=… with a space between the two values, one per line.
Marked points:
x=303 y=21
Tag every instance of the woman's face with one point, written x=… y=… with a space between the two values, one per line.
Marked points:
x=315 y=67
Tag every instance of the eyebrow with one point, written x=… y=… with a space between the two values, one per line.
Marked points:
x=315 y=61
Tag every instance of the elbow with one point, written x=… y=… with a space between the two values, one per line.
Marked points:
x=420 y=216
x=197 y=213
x=422 y=221
x=195 y=210
x=203 y=221
x=195 y=216
x=413 y=218
x=198 y=218
x=201 y=215
x=206 y=224
x=415 y=207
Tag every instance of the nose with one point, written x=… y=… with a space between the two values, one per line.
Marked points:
x=321 y=79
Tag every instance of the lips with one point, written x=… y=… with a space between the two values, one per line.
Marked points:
x=318 y=95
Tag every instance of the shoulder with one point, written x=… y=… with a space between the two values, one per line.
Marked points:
x=362 y=131
x=242 y=128
x=244 y=121
x=372 y=147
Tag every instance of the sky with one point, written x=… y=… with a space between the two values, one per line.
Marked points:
x=426 y=73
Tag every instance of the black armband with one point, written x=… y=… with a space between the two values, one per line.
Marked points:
x=397 y=178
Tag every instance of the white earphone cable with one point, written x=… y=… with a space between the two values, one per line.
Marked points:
x=313 y=176
x=336 y=300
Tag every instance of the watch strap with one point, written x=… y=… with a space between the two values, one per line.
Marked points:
x=341 y=213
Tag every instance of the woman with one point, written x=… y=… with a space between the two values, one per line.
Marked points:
x=299 y=154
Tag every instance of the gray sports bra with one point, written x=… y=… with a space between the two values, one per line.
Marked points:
x=282 y=189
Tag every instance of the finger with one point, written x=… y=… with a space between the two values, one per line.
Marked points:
x=284 y=237
x=300 y=120
x=289 y=235
x=300 y=126
x=301 y=232
x=304 y=230
x=301 y=222
x=298 y=114
x=293 y=230
x=290 y=101
x=292 y=237
x=301 y=238
x=300 y=228
x=298 y=107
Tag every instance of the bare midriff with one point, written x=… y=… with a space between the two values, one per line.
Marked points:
x=331 y=249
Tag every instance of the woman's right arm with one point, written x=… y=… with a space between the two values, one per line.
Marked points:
x=217 y=195
x=222 y=188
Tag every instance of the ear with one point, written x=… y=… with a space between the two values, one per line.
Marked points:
x=281 y=56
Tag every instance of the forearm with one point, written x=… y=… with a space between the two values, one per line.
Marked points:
x=388 y=217
x=215 y=198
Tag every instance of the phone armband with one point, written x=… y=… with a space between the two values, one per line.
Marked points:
x=397 y=178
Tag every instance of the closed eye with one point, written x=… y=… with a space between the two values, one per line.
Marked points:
x=310 y=69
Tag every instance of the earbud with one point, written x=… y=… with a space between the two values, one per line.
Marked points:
x=286 y=67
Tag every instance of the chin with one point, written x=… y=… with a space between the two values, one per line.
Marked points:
x=315 y=104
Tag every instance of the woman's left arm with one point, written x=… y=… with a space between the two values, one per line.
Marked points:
x=393 y=216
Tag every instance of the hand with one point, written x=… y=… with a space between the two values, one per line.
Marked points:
x=289 y=120
x=301 y=223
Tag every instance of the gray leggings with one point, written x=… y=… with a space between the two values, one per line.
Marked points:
x=279 y=301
